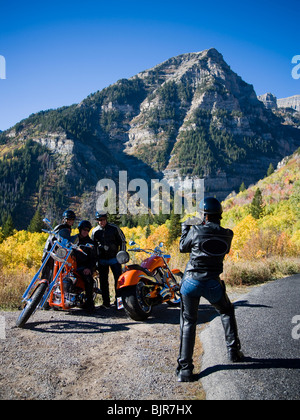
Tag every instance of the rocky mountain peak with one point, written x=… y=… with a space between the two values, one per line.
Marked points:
x=269 y=100
x=190 y=116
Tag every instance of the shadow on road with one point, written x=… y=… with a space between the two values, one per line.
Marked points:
x=245 y=303
x=162 y=314
x=252 y=363
x=75 y=327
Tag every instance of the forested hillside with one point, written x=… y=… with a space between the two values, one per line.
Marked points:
x=24 y=171
x=268 y=213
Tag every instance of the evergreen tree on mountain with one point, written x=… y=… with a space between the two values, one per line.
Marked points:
x=175 y=227
x=270 y=169
x=257 y=207
x=8 y=227
x=36 y=224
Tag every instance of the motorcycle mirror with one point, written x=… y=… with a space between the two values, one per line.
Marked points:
x=123 y=257
x=89 y=245
x=131 y=243
x=47 y=221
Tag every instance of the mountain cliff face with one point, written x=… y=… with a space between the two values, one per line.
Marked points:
x=270 y=101
x=291 y=102
x=287 y=109
x=190 y=116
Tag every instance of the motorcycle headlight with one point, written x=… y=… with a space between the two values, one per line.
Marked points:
x=61 y=253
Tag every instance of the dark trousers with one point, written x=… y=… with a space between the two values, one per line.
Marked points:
x=47 y=271
x=89 y=287
x=189 y=318
x=103 y=269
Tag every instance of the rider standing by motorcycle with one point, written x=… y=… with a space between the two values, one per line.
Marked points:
x=207 y=243
x=110 y=240
x=64 y=230
x=86 y=262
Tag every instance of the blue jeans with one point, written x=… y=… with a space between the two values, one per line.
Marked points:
x=212 y=290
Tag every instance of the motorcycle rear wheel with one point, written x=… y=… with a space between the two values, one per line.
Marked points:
x=177 y=296
x=31 y=305
x=136 y=305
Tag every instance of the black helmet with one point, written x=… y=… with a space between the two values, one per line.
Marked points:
x=210 y=205
x=84 y=224
x=100 y=214
x=69 y=214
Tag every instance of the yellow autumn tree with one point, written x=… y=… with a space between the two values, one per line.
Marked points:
x=22 y=251
x=243 y=232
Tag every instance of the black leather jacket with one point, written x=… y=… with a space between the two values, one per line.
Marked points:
x=110 y=240
x=88 y=259
x=208 y=244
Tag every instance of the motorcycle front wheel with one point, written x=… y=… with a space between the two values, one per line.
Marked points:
x=31 y=305
x=137 y=306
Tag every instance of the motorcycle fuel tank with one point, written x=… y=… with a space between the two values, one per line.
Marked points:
x=154 y=262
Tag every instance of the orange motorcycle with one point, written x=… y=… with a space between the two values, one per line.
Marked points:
x=141 y=286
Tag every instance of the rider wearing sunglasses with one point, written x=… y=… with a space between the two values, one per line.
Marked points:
x=110 y=240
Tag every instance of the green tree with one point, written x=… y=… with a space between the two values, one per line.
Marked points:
x=8 y=227
x=270 y=169
x=295 y=199
x=257 y=207
x=160 y=218
x=175 y=227
x=242 y=187
x=36 y=224
x=148 y=231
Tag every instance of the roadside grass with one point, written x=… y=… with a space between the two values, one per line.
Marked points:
x=252 y=272
x=12 y=286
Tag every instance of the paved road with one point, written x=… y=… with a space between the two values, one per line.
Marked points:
x=270 y=342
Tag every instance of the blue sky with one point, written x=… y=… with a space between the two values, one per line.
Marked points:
x=59 y=52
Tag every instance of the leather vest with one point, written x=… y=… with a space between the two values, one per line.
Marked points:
x=207 y=244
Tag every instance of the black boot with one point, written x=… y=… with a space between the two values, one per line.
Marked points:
x=231 y=336
x=89 y=303
x=184 y=375
x=188 y=322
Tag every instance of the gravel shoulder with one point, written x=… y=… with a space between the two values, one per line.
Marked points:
x=103 y=356
x=73 y=355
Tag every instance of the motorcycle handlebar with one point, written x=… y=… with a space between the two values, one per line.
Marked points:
x=148 y=251
x=68 y=243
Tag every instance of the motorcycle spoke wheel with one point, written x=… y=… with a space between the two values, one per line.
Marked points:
x=141 y=293
x=31 y=305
